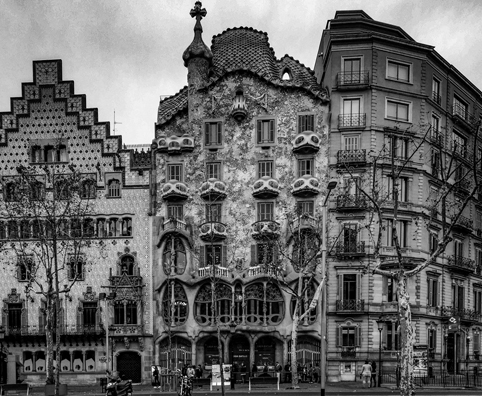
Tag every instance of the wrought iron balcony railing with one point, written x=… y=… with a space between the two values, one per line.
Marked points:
x=350 y=201
x=352 y=248
x=463 y=263
x=350 y=305
x=350 y=157
x=460 y=111
x=464 y=314
x=358 y=78
x=351 y=120
x=464 y=222
x=348 y=352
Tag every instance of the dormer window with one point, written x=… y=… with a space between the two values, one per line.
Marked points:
x=286 y=76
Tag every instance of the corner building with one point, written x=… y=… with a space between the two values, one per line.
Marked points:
x=387 y=90
x=235 y=152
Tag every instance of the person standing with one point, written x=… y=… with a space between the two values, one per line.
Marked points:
x=373 y=380
x=190 y=371
x=199 y=371
x=278 y=369
x=366 y=373
x=243 y=372
x=155 y=375
x=254 y=370
x=287 y=373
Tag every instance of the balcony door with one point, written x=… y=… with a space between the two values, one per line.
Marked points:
x=351 y=106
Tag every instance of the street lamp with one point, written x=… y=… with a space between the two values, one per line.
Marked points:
x=380 y=328
x=467 y=356
x=2 y=336
x=331 y=185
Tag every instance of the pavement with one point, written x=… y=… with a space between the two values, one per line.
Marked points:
x=340 y=388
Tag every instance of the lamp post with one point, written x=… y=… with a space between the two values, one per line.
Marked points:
x=331 y=185
x=2 y=336
x=467 y=356
x=380 y=328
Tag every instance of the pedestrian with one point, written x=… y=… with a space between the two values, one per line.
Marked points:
x=243 y=372
x=366 y=373
x=190 y=371
x=310 y=374
x=254 y=370
x=287 y=373
x=265 y=368
x=317 y=373
x=155 y=375
x=184 y=369
x=373 y=380
x=199 y=371
x=278 y=369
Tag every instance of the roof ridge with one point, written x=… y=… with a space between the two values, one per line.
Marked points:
x=312 y=72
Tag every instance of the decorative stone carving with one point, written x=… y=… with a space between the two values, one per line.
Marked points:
x=305 y=186
x=213 y=189
x=307 y=142
x=174 y=190
x=266 y=187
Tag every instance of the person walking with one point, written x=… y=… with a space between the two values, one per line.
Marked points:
x=254 y=370
x=366 y=373
x=373 y=380
x=243 y=372
x=287 y=373
x=278 y=369
x=155 y=375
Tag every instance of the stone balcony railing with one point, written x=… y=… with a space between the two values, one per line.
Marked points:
x=260 y=270
x=208 y=271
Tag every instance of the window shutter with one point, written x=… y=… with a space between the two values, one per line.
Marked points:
x=338 y=336
x=224 y=259
x=206 y=134
x=258 y=131
x=339 y=292
x=253 y=256
x=300 y=124
x=435 y=340
x=358 y=287
x=271 y=131
x=201 y=257
x=357 y=336
x=220 y=133
x=41 y=319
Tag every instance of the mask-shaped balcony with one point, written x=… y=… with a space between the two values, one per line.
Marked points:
x=307 y=142
x=174 y=190
x=305 y=186
x=174 y=145
x=212 y=231
x=265 y=187
x=265 y=229
x=213 y=189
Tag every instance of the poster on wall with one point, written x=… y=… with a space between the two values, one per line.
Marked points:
x=420 y=354
x=216 y=377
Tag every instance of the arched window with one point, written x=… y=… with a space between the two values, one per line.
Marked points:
x=180 y=352
x=174 y=256
x=12 y=229
x=274 y=304
x=125 y=312
x=127 y=265
x=113 y=188
x=238 y=304
x=101 y=231
x=203 y=304
x=126 y=226
x=87 y=189
x=308 y=292
x=254 y=296
x=174 y=304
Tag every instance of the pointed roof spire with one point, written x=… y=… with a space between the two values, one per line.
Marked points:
x=197 y=49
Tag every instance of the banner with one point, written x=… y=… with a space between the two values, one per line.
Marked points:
x=317 y=294
x=216 y=375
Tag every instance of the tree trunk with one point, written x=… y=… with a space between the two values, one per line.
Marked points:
x=294 y=360
x=49 y=336
x=406 y=338
x=221 y=357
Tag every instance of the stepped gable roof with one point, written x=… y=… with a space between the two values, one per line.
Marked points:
x=248 y=49
x=168 y=107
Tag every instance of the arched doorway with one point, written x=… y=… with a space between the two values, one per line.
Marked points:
x=239 y=350
x=211 y=351
x=129 y=366
x=265 y=351
x=181 y=353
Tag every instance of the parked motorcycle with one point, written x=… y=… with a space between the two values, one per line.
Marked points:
x=117 y=387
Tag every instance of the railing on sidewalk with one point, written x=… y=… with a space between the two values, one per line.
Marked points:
x=168 y=382
x=468 y=379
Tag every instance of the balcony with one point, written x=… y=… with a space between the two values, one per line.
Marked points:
x=174 y=145
x=350 y=202
x=305 y=186
x=213 y=190
x=465 y=315
x=348 y=353
x=125 y=329
x=436 y=138
x=307 y=142
x=352 y=80
x=174 y=190
x=351 y=158
x=350 y=305
x=464 y=225
x=83 y=329
x=461 y=264
x=436 y=97
x=265 y=187
x=208 y=271
x=212 y=231
x=349 y=249
x=265 y=229
x=260 y=270
x=125 y=281
x=352 y=120
x=463 y=186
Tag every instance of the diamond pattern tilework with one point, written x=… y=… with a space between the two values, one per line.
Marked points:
x=46 y=72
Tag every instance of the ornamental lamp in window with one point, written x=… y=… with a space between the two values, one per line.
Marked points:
x=239 y=109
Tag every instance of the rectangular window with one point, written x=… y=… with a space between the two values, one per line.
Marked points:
x=348 y=336
x=478 y=261
x=392 y=290
x=399 y=111
x=436 y=91
x=306 y=122
x=76 y=269
x=351 y=142
x=89 y=313
x=213 y=133
x=478 y=300
x=265 y=168
x=432 y=293
x=125 y=313
x=476 y=345
x=459 y=144
x=213 y=170
x=398 y=71
x=460 y=108
x=349 y=287
x=306 y=167
x=435 y=163
x=458 y=248
x=213 y=212
x=174 y=172
x=432 y=340
x=25 y=267
x=392 y=336
x=306 y=208
x=398 y=146
x=352 y=71
x=458 y=300
x=265 y=131
x=433 y=241
x=14 y=317
x=350 y=237
x=435 y=132
x=402 y=227
x=175 y=211
x=401 y=185
x=265 y=211
x=351 y=106
x=213 y=254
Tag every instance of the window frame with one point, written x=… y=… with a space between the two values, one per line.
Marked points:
x=402 y=231
x=433 y=291
x=175 y=169
x=266 y=162
x=302 y=123
x=351 y=140
x=398 y=64
x=260 y=211
x=436 y=93
x=408 y=104
x=214 y=165
x=259 y=121
x=460 y=107
x=303 y=160
x=219 y=132
x=176 y=208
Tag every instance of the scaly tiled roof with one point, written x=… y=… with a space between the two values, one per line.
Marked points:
x=168 y=107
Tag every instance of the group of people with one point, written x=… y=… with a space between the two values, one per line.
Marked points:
x=369 y=374
x=190 y=371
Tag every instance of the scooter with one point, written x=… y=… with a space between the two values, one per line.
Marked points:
x=117 y=387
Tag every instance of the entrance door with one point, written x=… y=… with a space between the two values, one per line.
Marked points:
x=129 y=366
x=239 y=350
x=453 y=345
x=264 y=351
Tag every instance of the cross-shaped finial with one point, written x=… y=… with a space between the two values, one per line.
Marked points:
x=197 y=11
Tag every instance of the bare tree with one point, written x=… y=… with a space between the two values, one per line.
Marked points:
x=49 y=239
x=457 y=185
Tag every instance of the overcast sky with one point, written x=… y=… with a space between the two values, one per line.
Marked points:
x=124 y=54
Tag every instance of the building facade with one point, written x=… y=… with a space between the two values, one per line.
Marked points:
x=397 y=101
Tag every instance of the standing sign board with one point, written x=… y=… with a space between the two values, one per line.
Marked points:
x=420 y=361
x=216 y=375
